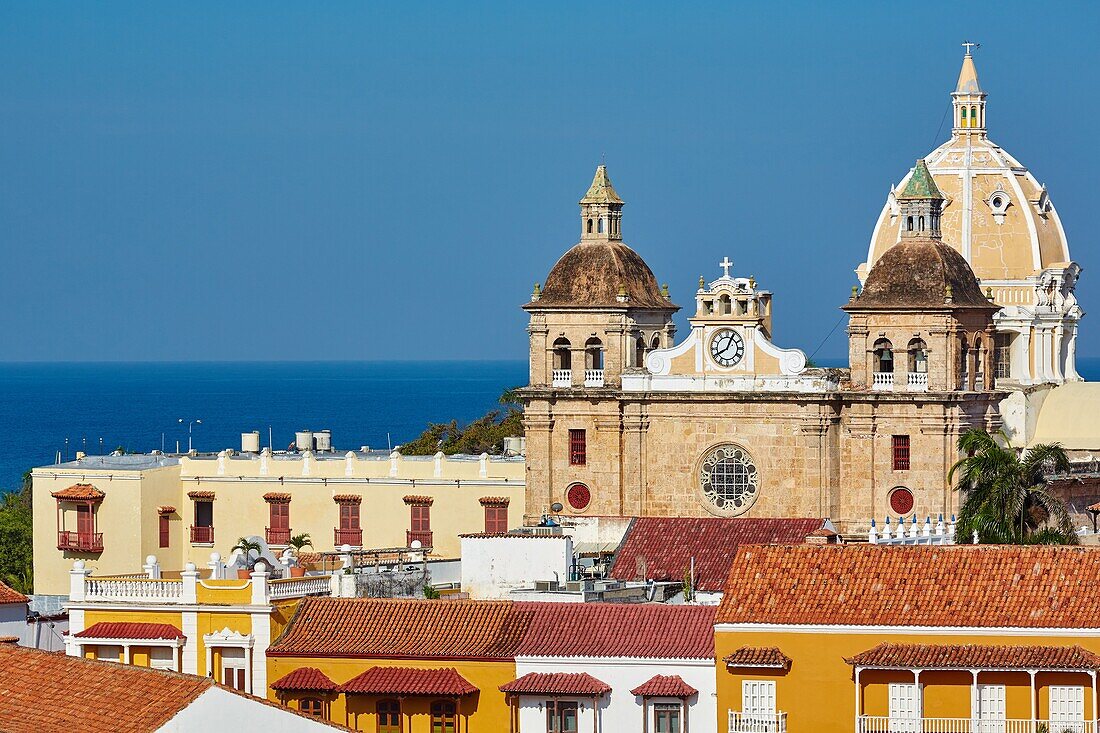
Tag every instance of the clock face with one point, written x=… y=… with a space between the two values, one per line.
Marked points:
x=727 y=347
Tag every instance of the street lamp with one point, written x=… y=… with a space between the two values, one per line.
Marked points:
x=190 y=424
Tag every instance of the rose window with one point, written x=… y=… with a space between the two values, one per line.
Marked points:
x=729 y=479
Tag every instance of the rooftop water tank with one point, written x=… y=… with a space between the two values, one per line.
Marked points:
x=303 y=440
x=250 y=442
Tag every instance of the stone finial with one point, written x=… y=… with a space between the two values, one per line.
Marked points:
x=664 y=291
x=855 y=292
x=702 y=283
x=989 y=293
x=752 y=281
x=948 y=294
x=537 y=292
x=622 y=297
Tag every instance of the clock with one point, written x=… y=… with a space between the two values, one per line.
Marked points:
x=727 y=347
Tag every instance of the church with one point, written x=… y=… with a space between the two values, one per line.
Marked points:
x=966 y=300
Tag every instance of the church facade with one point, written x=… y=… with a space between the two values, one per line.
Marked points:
x=623 y=419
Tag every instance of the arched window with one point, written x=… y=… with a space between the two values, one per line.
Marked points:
x=562 y=355
x=639 y=352
x=964 y=365
x=909 y=223
x=444 y=719
x=656 y=344
x=312 y=706
x=599 y=225
x=593 y=354
x=589 y=226
x=918 y=357
x=884 y=356
x=389 y=716
x=973 y=116
x=725 y=306
x=964 y=123
x=920 y=223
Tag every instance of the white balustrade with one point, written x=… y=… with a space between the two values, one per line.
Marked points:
x=563 y=377
x=918 y=381
x=757 y=723
x=310 y=585
x=926 y=534
x=133 y=589
x=885 y=724
x=883 y=382
x=593 y=377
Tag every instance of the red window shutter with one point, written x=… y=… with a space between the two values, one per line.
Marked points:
x=496 y=519
x=901 y=452
x=421 y=519
x=164 y=530
x=85 y=520
x=280 y=515
x=577 y=448
x=349 y=516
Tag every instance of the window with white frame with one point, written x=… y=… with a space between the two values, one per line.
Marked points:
x=991 y=706
x=108 y=653
x=668 y=717
x=162 y=657
x=561 y=717
x=1067 y=703
x=904 y=707
x=758 y=698
x=235 y=668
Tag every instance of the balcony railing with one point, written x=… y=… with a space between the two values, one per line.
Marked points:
x=593 y=377
x=314 y=585
x=563 y=377
x=883 y=382
x=146 y=590
x=885 y=724
x=278 y=536
x=757 y=723
x=917 y=381
x=80 y=541
x=202 y=535
x=425 y=538
x=353 y=537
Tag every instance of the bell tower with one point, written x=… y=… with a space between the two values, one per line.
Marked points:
x=920 y=204
x=601 y=210
x=968 y=97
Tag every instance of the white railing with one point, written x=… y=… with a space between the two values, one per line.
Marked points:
x=884 y=724
x=756 y=723
x=563 y=377
x=926 y=534
x=883 y=381
x=127 y=589
x=917 y=381
x=593 y=377
x=312 y=585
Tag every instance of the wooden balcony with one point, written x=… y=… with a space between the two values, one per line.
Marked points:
x=353 y=537
x=202 y=535
x=80 y=541
x=278 y=536
x=425 y=538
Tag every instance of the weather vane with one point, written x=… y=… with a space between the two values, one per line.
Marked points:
x=970 y=45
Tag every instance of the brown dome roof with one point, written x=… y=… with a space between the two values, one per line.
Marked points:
x=592 y=272
x=915 y=273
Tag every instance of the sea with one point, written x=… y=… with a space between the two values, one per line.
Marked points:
x=53 y=409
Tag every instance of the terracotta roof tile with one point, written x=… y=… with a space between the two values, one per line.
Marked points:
x=1093 y=507
x=411 y=629
x=276 y=497
x=750 y=656
x=166 y=510
x=415 y=500
x=79 y=491
x=871 y=585
x=348 y=499
x=41 y=691
x=200 y=495
x=10 y=595
x=975 y=656
x=649 y=630
x=517 y=535
x=129 y=630
x=664 y=686
x=556 y=683
x=409 y=681
x=665 y=545
x=304 y=679
x=494 y=501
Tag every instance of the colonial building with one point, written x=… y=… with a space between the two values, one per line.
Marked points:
x=727 y=423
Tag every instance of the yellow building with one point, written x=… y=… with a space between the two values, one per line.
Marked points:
x=114 y=511
x=872 y=639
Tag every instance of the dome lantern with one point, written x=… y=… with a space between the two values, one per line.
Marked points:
x=968 y=98
x=601 y=209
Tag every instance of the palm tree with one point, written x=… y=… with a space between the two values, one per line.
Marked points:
x=1006 y=499
x=300 y=541
x=247 y=547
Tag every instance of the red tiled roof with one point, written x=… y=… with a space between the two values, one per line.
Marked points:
x=664 y=546
x=409 y=681
x=410 y=629
x=664 y=686
x=201 y=495
x=79 y=491
x=871 y=585
x=494 y=501
x=348 y=499
x=556 y=683
x=976 y=656
x=418 y=500
x=129 y=630
x=304 y=679
x=650 y=630
x=751 y=656
x=517 y=535
x=166 y=510
x=277 y=497
x=10 y=595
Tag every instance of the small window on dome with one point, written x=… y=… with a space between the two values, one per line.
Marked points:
x=999 y=202
x=589 y=226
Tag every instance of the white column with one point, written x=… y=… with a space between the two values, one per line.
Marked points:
x=259 y=584
x=126 y=657
x=77 y=576
x=920 y=692
x=261 y=635
x=249 y=657
x=190 y=629
x=190 y=578
x=1034 y=715
x=974 y=697
x=210 y=663
x=1092 y=674
x=858 y=670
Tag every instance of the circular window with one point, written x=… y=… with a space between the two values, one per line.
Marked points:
x=997 y=202
x=728 y=479
x=901 y=500
x=578 y=497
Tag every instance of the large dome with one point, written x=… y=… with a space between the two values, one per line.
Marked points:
x=916 y=273
x=591 y=273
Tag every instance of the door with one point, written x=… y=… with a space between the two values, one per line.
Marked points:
x=1067 y=705
x=758 y=705
x=234 y=668
x=991 y=708
x=85 y=520
x=904 y=707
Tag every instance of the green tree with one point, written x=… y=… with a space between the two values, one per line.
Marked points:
x=484 y=435
x=16 y=522
x=1006 y=499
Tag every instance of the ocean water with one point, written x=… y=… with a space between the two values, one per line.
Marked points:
x=46 y=408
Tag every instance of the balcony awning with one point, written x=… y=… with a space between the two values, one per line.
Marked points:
x=409 y=681
x=79 y=492
x=120 y=630
x=665 y=686
x=304 y=679
x=766 y=657
x=976 y=656
x=557 y=683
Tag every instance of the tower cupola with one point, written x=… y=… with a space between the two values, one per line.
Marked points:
x=601 y=210
x=968 y=97
x=920 y=203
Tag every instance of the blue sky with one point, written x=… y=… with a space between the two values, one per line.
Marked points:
x=387 y=181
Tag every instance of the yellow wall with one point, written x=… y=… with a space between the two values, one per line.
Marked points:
x=818 y=692
x=486 y=710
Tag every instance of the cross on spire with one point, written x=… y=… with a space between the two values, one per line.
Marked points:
x=725 y=264
x=969 y=46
